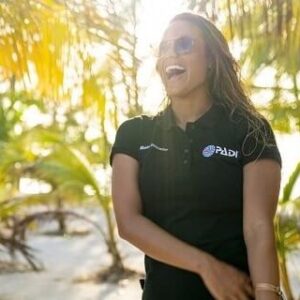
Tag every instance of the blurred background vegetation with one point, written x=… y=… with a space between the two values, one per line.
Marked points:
x=70 y=72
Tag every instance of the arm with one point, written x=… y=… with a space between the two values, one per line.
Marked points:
x=220 y=278
x=260 y=191
x=142 y=232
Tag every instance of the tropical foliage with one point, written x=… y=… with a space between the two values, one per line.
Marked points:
x=68 y=74
x=268 y=32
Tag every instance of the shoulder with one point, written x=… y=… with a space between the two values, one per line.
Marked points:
x=249 y=125
x=127 y=137
x=136 y=123
x=258 y=140
x=260 y=128
x=135 y=128
x=131 y=123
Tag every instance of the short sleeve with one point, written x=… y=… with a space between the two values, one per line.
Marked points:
x=126 y=139
x=253 y=147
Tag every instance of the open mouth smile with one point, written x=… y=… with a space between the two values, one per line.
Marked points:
x=173 y=71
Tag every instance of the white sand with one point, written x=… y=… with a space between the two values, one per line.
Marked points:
x=66 y=258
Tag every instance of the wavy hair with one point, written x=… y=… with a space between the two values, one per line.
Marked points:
x=224 y=81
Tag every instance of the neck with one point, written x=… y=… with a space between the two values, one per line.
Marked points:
x=190 y=107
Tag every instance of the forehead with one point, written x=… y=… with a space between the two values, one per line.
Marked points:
x=180 y=28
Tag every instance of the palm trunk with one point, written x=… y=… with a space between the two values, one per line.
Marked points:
x=282 y=260
x=285 y=278
x=111 y=242
x=62 y=228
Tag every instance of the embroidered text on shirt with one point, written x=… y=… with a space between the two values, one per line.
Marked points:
x=153 y=145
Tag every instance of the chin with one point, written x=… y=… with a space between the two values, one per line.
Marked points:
x=184 y=91
x=179 y=92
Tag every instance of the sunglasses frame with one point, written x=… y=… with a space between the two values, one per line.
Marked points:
x=171 y=43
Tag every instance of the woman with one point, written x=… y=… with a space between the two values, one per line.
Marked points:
x=195 y=187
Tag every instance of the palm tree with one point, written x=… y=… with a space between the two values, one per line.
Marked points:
x=68 y=172
x=287 y=228
x=53 y=41
x=71 y=177
x=268 y=33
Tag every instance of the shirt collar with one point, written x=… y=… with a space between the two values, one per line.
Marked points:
x=208 y=119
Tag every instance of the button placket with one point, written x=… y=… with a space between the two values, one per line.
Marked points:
x=186 y=154
x=186 y=149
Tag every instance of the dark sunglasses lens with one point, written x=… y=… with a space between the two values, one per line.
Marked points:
x=184 y=45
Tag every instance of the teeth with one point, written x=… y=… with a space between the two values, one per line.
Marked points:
x=171 y=68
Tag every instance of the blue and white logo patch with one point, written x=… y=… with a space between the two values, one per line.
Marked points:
x=208 y=151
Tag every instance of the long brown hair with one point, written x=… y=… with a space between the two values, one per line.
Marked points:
x=224 y=78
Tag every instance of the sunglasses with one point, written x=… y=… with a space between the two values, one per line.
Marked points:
x=179 y=46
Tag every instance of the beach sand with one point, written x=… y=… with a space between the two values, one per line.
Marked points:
x=68 y=257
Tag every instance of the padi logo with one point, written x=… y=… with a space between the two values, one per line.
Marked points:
x=208 y=151
x=211 y=149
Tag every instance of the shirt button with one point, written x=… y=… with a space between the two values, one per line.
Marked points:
x=190 y=140
x=185 y=161
x=186 y=150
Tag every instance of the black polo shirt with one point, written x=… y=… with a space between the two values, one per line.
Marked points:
x=191 y=184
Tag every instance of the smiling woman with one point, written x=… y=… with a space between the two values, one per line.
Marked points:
x=187 y=187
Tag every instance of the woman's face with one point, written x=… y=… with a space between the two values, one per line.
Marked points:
x=182 y=72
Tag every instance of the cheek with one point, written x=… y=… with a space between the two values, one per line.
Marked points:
x=198 y=67
x=200 y=63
